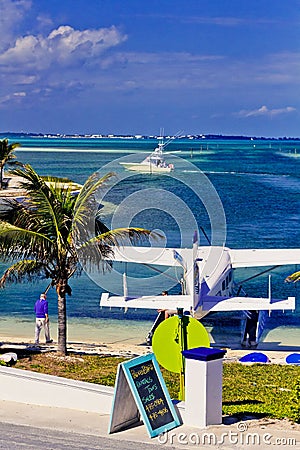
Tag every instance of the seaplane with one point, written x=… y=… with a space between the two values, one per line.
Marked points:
x=207 y=283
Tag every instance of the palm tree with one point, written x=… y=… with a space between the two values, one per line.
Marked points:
x=6 y=156
x=48 y=234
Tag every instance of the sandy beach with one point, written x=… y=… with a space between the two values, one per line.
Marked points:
x=128 y=338
x=134 y=346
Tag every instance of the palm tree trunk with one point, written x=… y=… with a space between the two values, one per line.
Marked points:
x=1 y=175
x=62 y=317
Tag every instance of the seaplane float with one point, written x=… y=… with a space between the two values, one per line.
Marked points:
x=207 y=283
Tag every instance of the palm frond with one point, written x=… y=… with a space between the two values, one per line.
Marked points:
x=99 y=250
x=53 y=179
x=293 y=278
x=17 y=242
x=85 y=205
x=30 y=180
x=7 y=150
x=124 y=236
x=25 y=270
x=43 y=201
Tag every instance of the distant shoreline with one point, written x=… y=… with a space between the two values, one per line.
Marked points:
x=14 y=135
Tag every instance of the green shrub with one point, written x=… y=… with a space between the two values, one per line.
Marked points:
x=295 y=402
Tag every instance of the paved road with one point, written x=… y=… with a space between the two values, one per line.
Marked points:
x=25 y=426
x=17 y=437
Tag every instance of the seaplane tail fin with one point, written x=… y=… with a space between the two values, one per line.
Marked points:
x=148 y=301
x=217 y=303
x=264 y=257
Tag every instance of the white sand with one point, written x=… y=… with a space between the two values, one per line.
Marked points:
x=78 y=330
x=128 y=337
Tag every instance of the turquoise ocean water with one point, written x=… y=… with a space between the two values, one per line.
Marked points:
x=258 y=182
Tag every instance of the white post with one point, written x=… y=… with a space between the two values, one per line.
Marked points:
x=203 y=386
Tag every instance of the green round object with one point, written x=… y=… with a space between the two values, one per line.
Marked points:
x=167 y=340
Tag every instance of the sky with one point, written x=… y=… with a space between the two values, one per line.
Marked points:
x=227 y=67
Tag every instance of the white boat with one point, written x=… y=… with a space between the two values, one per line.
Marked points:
x=154 y=163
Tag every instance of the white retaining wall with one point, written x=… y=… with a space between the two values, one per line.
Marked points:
x=47 y=390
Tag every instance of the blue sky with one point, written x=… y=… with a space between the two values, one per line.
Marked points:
x=134 y=66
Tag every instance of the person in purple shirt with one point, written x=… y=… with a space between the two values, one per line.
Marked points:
x=42 y=319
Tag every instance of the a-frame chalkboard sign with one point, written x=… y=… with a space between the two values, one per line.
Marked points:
x=141 y=393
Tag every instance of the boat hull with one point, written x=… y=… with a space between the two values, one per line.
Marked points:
x=146 y=168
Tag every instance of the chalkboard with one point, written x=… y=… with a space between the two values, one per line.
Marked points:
x=149 y=397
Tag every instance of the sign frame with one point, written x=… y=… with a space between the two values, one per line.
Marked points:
x=128 y=407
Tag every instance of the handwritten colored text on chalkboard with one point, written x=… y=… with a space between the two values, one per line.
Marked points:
x=140 y=390
x=151 y=394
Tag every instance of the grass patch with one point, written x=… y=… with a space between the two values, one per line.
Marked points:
x=261 y=389
x=89 y=368
x=258 y=389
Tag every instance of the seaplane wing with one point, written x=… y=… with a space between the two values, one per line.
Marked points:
x=170 y=302
x=150 y=255
x=263 y=257
x=211 y=303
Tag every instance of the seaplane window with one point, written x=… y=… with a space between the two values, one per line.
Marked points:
x=227 y=281
x=223 y=285
x=230 y=276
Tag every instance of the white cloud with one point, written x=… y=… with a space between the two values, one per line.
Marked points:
x=63 y=46
x=15 y=96
x=279 y=68
x=265 y=111
x=44 y=21
x=11 y=15
x=220 y=21
x=64 y=41
x=64 y=61
x=224 y=21
x=58 y=62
